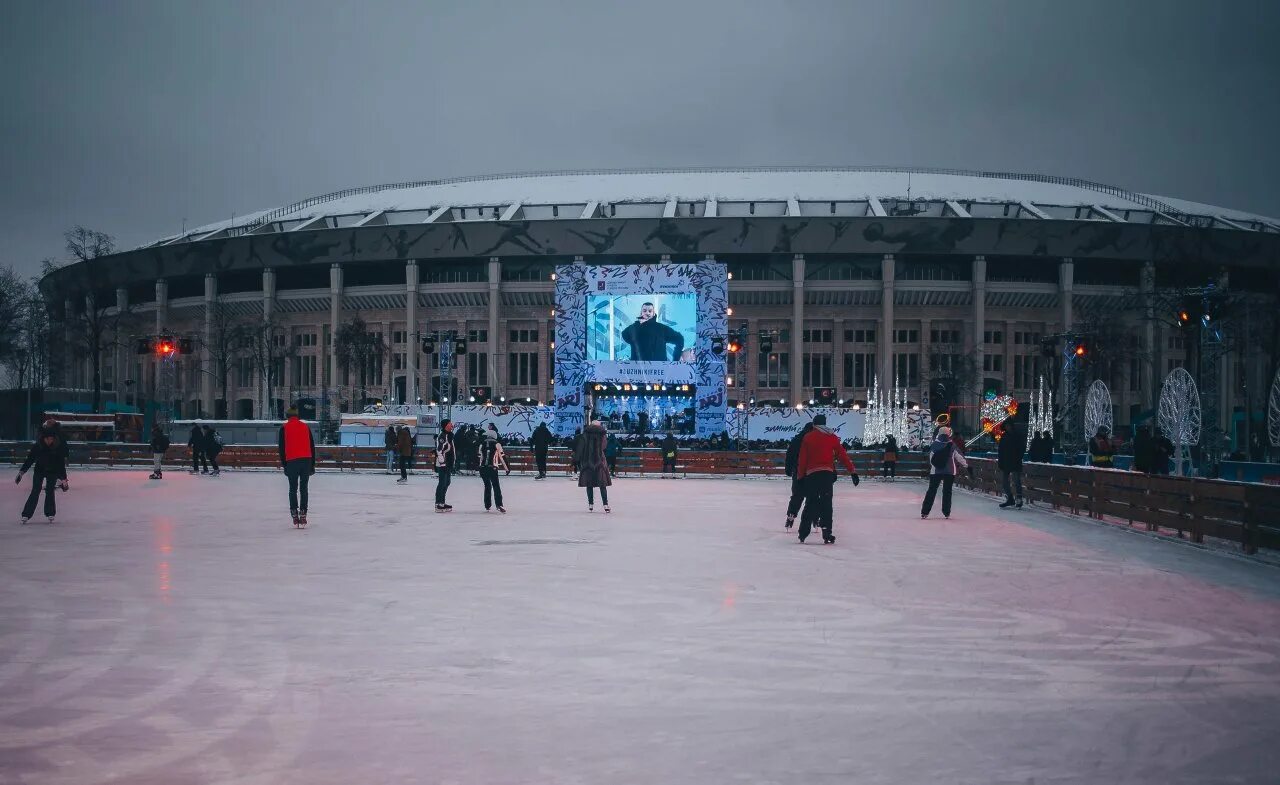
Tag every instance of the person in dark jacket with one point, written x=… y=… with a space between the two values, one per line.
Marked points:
x=390 y=441
x=1161 y=452
x=889 y=465
x=445 y=461
x=1041 y=448
x=670 y=451
x=1101 y=450
x=816 y=466
x=48 y=455
x=159 y=443
x=196 y=442
x=404 y=452
x=492 y=459
x=541 y=440
x=944 y=461
x=648 y=338
x=593 y=468
x=1009 y=460
x=789 y=468
x=212 y=446
x=611 y=451
x=298 y=459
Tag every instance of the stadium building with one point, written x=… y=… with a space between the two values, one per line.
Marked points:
x=842 y=275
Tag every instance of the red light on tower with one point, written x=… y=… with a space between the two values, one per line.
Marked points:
x=165 y=348
x=1081 y=351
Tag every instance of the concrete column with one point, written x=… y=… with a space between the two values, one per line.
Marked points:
x=68 y=338
x=207 y=387
x=979 y=319
x=797 y=393
x=411 y=329
x=1226 y=381
x=752 y=359
x=546 y=333
x=1007 y=373
x=837 y=356
x=886 y=321
x=268 y=311
x=925 y=326
x=121 y=348
x=1150 y=370
x=162 y=320
x=1066 y=275
x=495 y=301
x=460 y=366
x=335 y=317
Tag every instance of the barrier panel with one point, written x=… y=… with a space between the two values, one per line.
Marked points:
x=1246 y=513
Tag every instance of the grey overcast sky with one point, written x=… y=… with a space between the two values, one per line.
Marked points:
x=133 y=117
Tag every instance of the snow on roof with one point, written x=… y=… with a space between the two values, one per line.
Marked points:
x=741 y=185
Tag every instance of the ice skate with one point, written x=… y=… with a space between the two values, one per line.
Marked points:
x=294 y=516
x=827 y=537
x=215 y=472
x=302 y=519
x=606 y=508
x=1007 y=504
x=24 y=521
x=924 y=515
x=502 y=509
x=591 y=508
x=1019 y=504
x=153 y=476
x=402 y=481
x=791 y=521
x=49 y=518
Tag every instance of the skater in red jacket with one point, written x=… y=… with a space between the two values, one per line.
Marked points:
x=816 y=468
x=298 y=457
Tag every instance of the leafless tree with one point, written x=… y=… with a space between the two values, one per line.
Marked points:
x=96 y=326
x=267 y=346
x=358 y=350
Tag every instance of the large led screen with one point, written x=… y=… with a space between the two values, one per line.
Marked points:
x=642 y=327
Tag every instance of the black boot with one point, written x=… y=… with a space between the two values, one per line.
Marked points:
x=827 y=536
x=1007 y=503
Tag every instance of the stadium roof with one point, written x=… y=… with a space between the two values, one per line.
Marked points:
x=726 y=192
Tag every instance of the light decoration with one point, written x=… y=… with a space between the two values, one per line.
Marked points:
x=994 y=411
x=1040 y=417
x=1178 y=415
x=888 y=414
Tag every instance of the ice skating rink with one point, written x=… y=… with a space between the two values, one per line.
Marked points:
x=183 y=632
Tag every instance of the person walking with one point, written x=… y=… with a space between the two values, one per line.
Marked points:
x=889 y=464
x=48 y=454
x=492 y=459
x=159 y=443
x=789 y=467
x=1009 y=461
x=1101 y=450
x=670 y=450
x=593 y=467
x=816 y=466
x=611 y=450
x=196 y=443
x=212 y=446
x=391 y=441
x=445 y=457
x=944 y=460
x=298 y=459
x=404 y=452
x=541 y=440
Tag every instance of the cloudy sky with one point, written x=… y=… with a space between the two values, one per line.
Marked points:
x=135 y=117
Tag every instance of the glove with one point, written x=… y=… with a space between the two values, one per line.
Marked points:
x=64 y=485
x=17 y=480
x=855 y=479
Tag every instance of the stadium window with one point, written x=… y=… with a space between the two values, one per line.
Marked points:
x=993 y=363
x=817 y=336
x=859 y=369
x=478 y=336
x=860 y=336
x=522 y=369
x=815 y=370
x=906 y=336
x=774 y=370
x=478 y=369
x=906 y=370
x=993 y=337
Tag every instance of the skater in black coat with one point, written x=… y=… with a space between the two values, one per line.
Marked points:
x=196 y=442
x=492 y=460
x=48 y=455
x=159 y=443
x=593 y=467
x=541 y=440
x=212 y=446
x=669 y=450
x=1009 y=460
x=789 y=468
x=445 y=460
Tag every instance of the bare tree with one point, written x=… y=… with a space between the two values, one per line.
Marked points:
x=359 y=350
x=228 y=340
x=267 y=347
x=14 y=294
x=100 y=326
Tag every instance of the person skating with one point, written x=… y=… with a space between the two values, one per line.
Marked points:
x=541 y=440
x=159 y=443
x=1009 y=461
x=819 y=451
x=593 y=468
x=492 y=459
x=445 y=457
x=212 y=446
x=390 y=441
x=789 y=467
x=944 y=460
x=195 y=441
x=48 y=454
x=889 y=466
x=298 y=459
x=670 y=451
x=404 y=452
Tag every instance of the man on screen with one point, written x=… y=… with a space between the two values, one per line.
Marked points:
x=648 y=338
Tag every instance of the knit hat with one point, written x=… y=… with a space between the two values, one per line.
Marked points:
x=819 y=419
x=292 y=411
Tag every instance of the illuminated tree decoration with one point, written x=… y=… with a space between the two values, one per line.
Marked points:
x=1097 y=409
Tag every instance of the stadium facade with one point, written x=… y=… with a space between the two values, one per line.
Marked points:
x=851 y=273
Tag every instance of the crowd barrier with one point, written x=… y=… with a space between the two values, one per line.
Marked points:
x=1245 y=513
x=632 y=460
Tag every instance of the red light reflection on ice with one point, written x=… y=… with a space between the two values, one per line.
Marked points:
x=162 y=528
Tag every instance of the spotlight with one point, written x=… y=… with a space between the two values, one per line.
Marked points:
x=841 y=402
x=472 y=399
x=502 y=399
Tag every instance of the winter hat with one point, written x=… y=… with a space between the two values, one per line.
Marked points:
x=292 y=411
x=819 y=419
x=47 y=431
x=944 y=432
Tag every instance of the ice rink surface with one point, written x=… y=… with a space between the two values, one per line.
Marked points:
x=183 y=632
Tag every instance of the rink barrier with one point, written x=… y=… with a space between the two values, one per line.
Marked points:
x=1244 y=513
x=633 y=461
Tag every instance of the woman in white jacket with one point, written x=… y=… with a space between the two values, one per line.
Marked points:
x=944 y=461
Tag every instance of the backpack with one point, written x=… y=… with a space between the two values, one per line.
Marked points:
x=941 y=458
x=217 y=438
